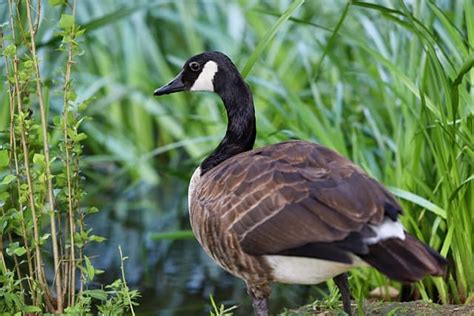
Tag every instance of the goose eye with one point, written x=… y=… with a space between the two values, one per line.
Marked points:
x=194 y=65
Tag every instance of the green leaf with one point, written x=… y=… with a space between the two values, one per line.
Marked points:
x=97 y=294
x=418 y=200
x=29 y=64
x=66 y=21
x=4 y=160
x=447 y=241
x=20 y=251
x=44 y=237
x=71 y=95
x=97 y=238
x=83 y=106
x=3 y=224
x=38 y=159
x=80 y=32
x=89 y=268
x=10 y=50
x=12 y=247
x=31 y=309
x=79 y=137
x=179 y=234
x=4 y=196
x=9 y=178
x=464 y=183
x=92 y=210
x=56 y=2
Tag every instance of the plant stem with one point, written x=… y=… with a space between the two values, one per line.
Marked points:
x=44 y=125
x=13 y=155
x=70 y=194
x=39 y=267
x=122 y=269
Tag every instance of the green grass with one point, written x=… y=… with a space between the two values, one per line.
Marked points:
x=386 y=84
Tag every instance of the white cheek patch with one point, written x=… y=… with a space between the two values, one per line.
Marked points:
x=388 y=229
x=205 y=80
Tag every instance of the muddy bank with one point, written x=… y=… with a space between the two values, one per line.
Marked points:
x=416 y=308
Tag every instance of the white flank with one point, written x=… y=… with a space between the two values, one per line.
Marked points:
x=298 y=270
x=192 y=184
x=205 y=80
x=388 y=229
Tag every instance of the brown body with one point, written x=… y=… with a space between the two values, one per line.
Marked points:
x=280 y=197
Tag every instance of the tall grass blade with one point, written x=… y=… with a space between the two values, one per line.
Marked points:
x=269 y=36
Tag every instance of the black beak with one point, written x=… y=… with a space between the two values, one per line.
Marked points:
x=174 y=85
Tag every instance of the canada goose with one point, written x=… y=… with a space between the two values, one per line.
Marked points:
x=292 y=212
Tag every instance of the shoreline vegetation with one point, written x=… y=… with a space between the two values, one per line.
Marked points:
x=376 y=308
x=387 y=84
x=41 y=187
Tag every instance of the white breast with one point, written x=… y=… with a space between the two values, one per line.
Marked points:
x=192 y=185
x=298 y=270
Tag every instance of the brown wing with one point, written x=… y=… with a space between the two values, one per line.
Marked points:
x=291 y=194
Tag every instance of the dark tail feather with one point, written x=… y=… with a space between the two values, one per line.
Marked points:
x=405 y=260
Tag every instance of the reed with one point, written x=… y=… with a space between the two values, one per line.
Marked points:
x=385 y=83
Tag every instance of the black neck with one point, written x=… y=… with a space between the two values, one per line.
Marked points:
x=241 y=130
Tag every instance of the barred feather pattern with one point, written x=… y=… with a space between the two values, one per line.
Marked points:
x=295 y=199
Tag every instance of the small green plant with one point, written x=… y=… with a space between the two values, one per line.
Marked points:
x=220 y=310
x=330 y=301
x=393 y=311
x=41 y=187
x=12 y=293
x=113 y=299
x=122 y=299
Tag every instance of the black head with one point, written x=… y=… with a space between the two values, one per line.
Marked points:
x=215 y=72
x=208 y=71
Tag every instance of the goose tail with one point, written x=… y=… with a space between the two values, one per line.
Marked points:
x=406 y=260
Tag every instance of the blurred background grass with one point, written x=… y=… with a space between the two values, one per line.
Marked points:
x=387 y=84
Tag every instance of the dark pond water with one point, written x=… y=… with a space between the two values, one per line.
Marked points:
x=174 y=277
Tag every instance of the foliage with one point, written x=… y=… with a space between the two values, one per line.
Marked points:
x=220 y=310
x=386 y=83
x=40 y=176
x=330 y=302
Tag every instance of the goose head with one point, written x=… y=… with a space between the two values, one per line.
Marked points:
x=209 y=71
x=215 y=72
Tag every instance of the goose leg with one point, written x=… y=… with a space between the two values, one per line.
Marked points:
x=343 y=285
x=259 y=293
x=260 y=307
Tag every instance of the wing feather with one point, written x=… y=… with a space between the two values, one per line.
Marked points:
x=291 y=195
